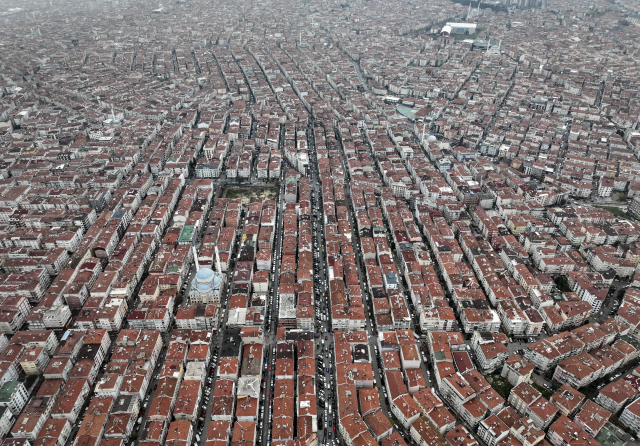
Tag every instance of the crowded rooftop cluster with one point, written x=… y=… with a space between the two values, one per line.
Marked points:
x=320 y=222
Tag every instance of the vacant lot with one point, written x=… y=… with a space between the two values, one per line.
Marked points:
x=246 y=192
x=616 y=211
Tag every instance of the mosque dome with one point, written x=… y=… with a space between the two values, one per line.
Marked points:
x=206 y=281
x=204 y=275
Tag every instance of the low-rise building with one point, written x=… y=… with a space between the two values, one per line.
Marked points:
x=522 y=396
x=592 y=418
x=405 y=409
x=71 y=400
x=568 y=400
x=34 y=360
x=615 y=395
x=630 y=416
x=54 y=432
x=492 y=430
x=565 y=432
x=58 y=368
x=14 y=395
x=186 y=407
x=6 y=420
x=579 y=371
x=516 y=370
x=542 y=413
x=491 y=356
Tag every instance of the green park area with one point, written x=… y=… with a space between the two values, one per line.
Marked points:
x=500 y=385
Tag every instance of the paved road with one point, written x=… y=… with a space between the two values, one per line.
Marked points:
x=271 y=317
x=611 y=301
x=324 y=350
x=541 y=380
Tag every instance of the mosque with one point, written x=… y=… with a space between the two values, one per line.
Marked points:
x=206 y=287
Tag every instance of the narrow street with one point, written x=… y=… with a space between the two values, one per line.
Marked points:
x=324 y=381
x=271 y=324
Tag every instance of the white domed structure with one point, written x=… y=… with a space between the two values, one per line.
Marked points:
x=432 y=138
x=206 y=287
x=446 y=31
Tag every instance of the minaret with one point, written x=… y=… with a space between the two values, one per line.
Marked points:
x=195 y=258
x=219 y=268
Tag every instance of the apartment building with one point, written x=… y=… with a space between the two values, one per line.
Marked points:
x=522 y=396
x=516 y=370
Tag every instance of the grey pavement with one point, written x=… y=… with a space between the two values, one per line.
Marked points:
x=271 y=318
